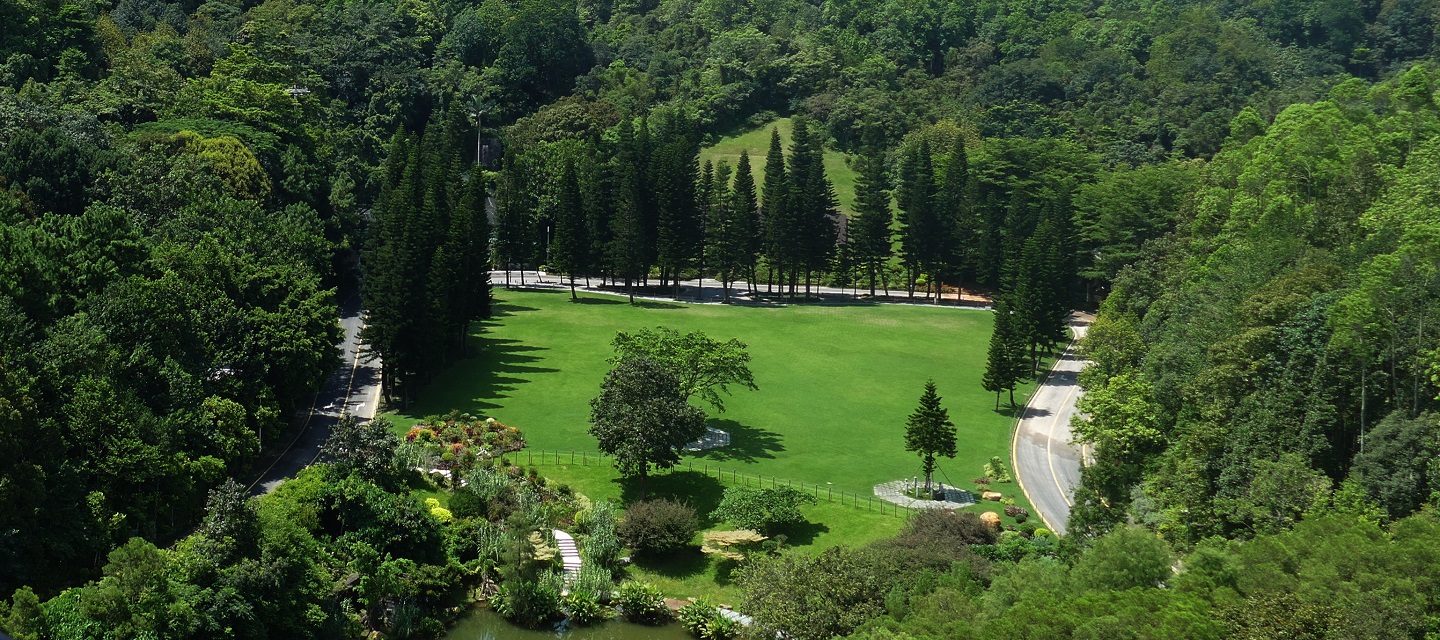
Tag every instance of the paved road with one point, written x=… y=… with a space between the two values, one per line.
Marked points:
x=1046 y=464
x=353 y=388
x=709 y=290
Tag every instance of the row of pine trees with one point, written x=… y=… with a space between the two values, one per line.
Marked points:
x=640 y=205
x=427 y=258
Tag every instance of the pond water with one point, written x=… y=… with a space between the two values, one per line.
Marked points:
x=484 y=624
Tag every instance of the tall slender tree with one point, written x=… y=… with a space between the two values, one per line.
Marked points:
x=1006 y=361
x=514 y=231
x=871 y=239
x=775 y=206
x=929 y=432
x=922 y=238
x=952 y=205
x=627 y=251
x=570 y=250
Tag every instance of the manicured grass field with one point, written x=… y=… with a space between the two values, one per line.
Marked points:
x=836 y=382
x=836 y=385
x=757 y=142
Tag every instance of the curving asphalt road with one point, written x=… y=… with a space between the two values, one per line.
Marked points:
x=1046 y=463
x=353 y=388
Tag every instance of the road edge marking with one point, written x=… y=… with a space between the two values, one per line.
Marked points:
x=1015 y=437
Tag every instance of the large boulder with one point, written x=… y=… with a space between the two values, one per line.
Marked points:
x=991 y=518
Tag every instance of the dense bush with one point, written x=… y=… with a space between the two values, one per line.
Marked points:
x=583 y=608
x=948 y=527
x=658 y=526
x=527 y=603
x=762 y=509
x=704 y=621
x=641 y=602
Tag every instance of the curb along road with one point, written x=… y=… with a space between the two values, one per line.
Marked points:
x=1046 y=463
x=354 y=388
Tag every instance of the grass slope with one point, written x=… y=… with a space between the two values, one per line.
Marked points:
x=757 y=142
x=836 y=382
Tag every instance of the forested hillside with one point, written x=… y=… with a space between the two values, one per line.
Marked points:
x=1249 y=192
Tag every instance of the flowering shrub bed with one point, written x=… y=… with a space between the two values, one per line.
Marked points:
x=460 y=436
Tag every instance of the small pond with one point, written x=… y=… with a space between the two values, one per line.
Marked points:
x=484 y=624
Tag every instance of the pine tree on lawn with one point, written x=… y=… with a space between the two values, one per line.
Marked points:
x=1005 y=361
x=929 y=432
x=626 y=252
x=569 y=251
x=774 y=207
x=744 y=210
x=870 y=237
x=953 y=210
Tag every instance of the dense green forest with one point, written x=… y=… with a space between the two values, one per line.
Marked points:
x=1249 y=192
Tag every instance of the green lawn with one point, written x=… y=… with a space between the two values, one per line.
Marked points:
x=836 y=385
x=836 y=382
x=757 y=142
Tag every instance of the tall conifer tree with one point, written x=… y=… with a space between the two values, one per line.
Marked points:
x=870 y=238
x=774 y=207
x=743 y=213
x=570 y=250
x=929 y=432
x=627 y=249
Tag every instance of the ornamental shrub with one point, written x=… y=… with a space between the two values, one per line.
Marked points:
x=696 y=616
x=526 y=603
x=762 y=509
x=583 y=608
x=704 y=621
x=641 y=602
x=465 y=504
x=657 y=526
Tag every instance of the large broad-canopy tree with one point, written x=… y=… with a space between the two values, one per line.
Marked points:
x=702 y=366
x=642 y=417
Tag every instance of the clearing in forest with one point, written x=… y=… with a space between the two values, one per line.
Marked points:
x=757 y=142
x=836 y=382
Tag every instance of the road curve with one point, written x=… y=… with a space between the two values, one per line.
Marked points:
x=353 y=388
x=1046 y=463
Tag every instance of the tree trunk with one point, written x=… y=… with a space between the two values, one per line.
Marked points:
x=573 y=297
x=630 y=286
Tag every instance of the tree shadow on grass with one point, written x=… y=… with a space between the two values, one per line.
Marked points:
x=802 y=534
x=747 y=443
x=685 y=563
x=497 y=367
x=694 y=488
x=505 y=309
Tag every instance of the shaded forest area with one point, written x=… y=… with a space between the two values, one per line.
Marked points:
x=1249 y=187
